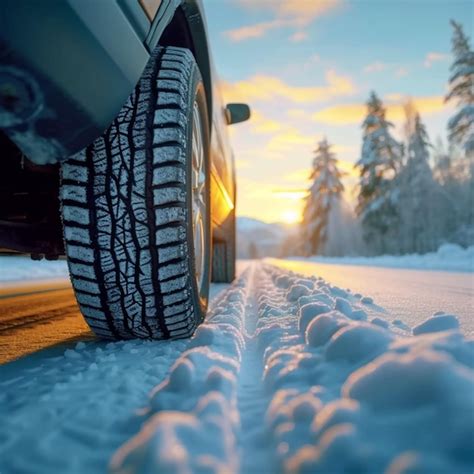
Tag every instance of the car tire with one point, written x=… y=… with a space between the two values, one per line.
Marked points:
x=224 y=254
x=136 y=213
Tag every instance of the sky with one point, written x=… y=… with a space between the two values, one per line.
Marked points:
x=306 y=68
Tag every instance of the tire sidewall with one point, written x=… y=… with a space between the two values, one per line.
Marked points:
x=197 y=93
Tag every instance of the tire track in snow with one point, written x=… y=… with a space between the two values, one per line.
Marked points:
x=254 y=450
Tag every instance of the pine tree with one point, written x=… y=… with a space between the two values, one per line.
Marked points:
x=325 y=191
x=422 y=205
x=461 y=132
x=378 y=165
x=461 y=90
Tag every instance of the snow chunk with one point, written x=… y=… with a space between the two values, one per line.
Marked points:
x=308 y=312
x=344 y=306
x=380 y=322
x=321 y=328
x=442 y=322
x=297 y=291
x=340 y=411
x=411 y=381
x=358 y=342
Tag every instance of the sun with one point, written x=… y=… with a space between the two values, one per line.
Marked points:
x=290 y=216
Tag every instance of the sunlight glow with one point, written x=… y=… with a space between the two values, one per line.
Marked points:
x=290 y=216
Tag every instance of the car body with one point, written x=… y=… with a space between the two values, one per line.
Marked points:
x=66 y=69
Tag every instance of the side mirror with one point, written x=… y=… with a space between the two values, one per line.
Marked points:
x=236 y=113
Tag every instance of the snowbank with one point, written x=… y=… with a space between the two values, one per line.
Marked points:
x=19 y=268
x=449 y=257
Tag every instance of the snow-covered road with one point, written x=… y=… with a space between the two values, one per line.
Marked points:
x=408 y=295
x=287 y=374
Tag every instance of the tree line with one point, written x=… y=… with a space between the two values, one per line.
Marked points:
x=413 y=195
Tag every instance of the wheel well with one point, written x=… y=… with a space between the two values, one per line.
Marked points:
x=178 y=33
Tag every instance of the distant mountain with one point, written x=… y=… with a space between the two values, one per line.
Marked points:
x=257 y=239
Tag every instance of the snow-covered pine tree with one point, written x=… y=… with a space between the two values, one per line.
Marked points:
x=461 y=133
x=461 y=90
x=378 y=165
x=422 y=206
x=325 y=191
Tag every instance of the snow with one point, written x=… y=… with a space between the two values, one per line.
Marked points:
x=286 y=374
x=449 y=257
x=18 y=268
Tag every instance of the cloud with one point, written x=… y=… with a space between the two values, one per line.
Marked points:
x=300 y=176
x=434 y=57
x=262 y=124
x=401 y=72
x=345 y=114
x=299 y=36
x=377 y=66
x=286 y=13
x=268 y=88
x=349 y=114
x=287 y=140
x=252 y=31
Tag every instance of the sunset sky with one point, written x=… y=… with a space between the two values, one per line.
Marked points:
x=306 y=67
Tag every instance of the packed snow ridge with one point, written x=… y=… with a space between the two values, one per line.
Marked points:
x=330 y=386
x=449 y=257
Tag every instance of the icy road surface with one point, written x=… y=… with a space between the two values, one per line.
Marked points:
x=287 y=374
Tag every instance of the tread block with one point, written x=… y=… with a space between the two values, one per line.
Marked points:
x=168 y=134
x=95 y=313
x=168 y=174
x=168 y=195
x=81 y=270
x=76 y=214
x=89 y=300
x=85 y=285
x=81 y=253
x=177 y=313
x=167 y=154
x=166 y=272
x=172 y=253
x=74 y=193
x=174 y=284
x=170 y=214
x=175 y=298
x=75 y=172
x=171 y=99
x=77 y=234
x=171 y=235
x=165 y=116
